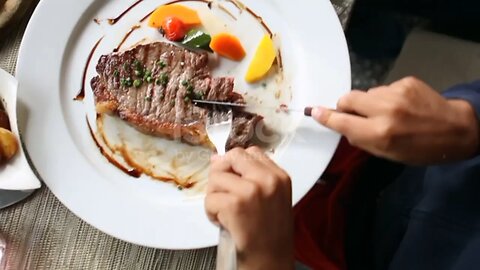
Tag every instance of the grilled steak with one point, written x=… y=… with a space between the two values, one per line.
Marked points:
x=152 y=87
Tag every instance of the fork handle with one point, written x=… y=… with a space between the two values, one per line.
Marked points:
x=226 y=252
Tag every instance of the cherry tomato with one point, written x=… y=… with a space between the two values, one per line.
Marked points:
x=174 y=29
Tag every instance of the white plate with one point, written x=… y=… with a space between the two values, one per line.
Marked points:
x=57 y=42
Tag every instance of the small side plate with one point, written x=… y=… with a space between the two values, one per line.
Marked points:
x=16 y=174
x=11 y=197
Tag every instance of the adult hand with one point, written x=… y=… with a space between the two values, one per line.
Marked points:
x=406 y=121
x=250 y=196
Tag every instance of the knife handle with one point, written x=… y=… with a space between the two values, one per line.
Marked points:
x=226 y=252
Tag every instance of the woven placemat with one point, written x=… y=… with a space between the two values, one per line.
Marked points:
x=44 y=234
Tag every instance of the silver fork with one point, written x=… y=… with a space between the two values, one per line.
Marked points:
x=219 y=126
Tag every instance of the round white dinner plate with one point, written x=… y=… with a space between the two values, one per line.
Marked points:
x=52 y=57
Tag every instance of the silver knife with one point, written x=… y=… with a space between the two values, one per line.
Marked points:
x=247 y=106
x=11 y=197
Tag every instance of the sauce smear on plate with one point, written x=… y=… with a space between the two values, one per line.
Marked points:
x=81 y=94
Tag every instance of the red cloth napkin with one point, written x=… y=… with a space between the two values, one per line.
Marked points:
x=320 y=217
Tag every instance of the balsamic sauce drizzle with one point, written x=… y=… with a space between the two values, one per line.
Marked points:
x=146 y=16
x=132 y=172
x=135 y=27
x=119 y=17
x=81 y=94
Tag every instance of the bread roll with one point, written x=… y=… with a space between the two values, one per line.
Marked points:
x=8 y=145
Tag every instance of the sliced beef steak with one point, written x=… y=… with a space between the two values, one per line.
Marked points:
x=152 y=86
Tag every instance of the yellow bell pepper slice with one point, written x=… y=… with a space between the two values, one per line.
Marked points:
x=262 y=61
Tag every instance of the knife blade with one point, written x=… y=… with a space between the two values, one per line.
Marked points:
x=247 y=106
x=11 y=197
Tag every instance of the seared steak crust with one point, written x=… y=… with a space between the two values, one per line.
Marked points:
x=151 y=87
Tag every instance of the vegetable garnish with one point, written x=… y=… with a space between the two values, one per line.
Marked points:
x=173 y=28
x=196 y=39
x=262 y=61
x=228 y=45
x=127 y=82
x=161 y=64
x=187 y=15
x=163 y=79
x=137 y=83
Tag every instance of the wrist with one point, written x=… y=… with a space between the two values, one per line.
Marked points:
x=468 y=127
x=266 y=265
x=266 y=262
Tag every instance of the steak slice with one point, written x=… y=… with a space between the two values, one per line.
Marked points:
x=152 y=86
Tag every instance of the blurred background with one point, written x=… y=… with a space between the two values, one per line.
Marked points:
x=379 y=29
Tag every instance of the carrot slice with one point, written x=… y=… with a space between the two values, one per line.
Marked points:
x=228 y=46
x=187 y=15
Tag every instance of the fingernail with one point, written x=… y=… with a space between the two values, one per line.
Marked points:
x=308 y=111
x=317 y=112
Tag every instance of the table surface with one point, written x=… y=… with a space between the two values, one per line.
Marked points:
x=44 y=234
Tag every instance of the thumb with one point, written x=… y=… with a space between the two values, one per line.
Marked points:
x=321 y=115
x=349 y=125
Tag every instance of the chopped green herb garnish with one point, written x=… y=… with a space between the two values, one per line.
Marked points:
x=199 y=96
x=180 y=188
x=137 y=83
x=161 y=63
x=190 y=88
x=148 y=98
x=149 y=79
x=137 y=64
x=139 y=73
x=184 y=82
x=126 y=82
x=186 y=99
x=264 y=85
x=116 y=73
x=172 y=102
x=126 y=66
x=163 y=80
x=148 y=74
